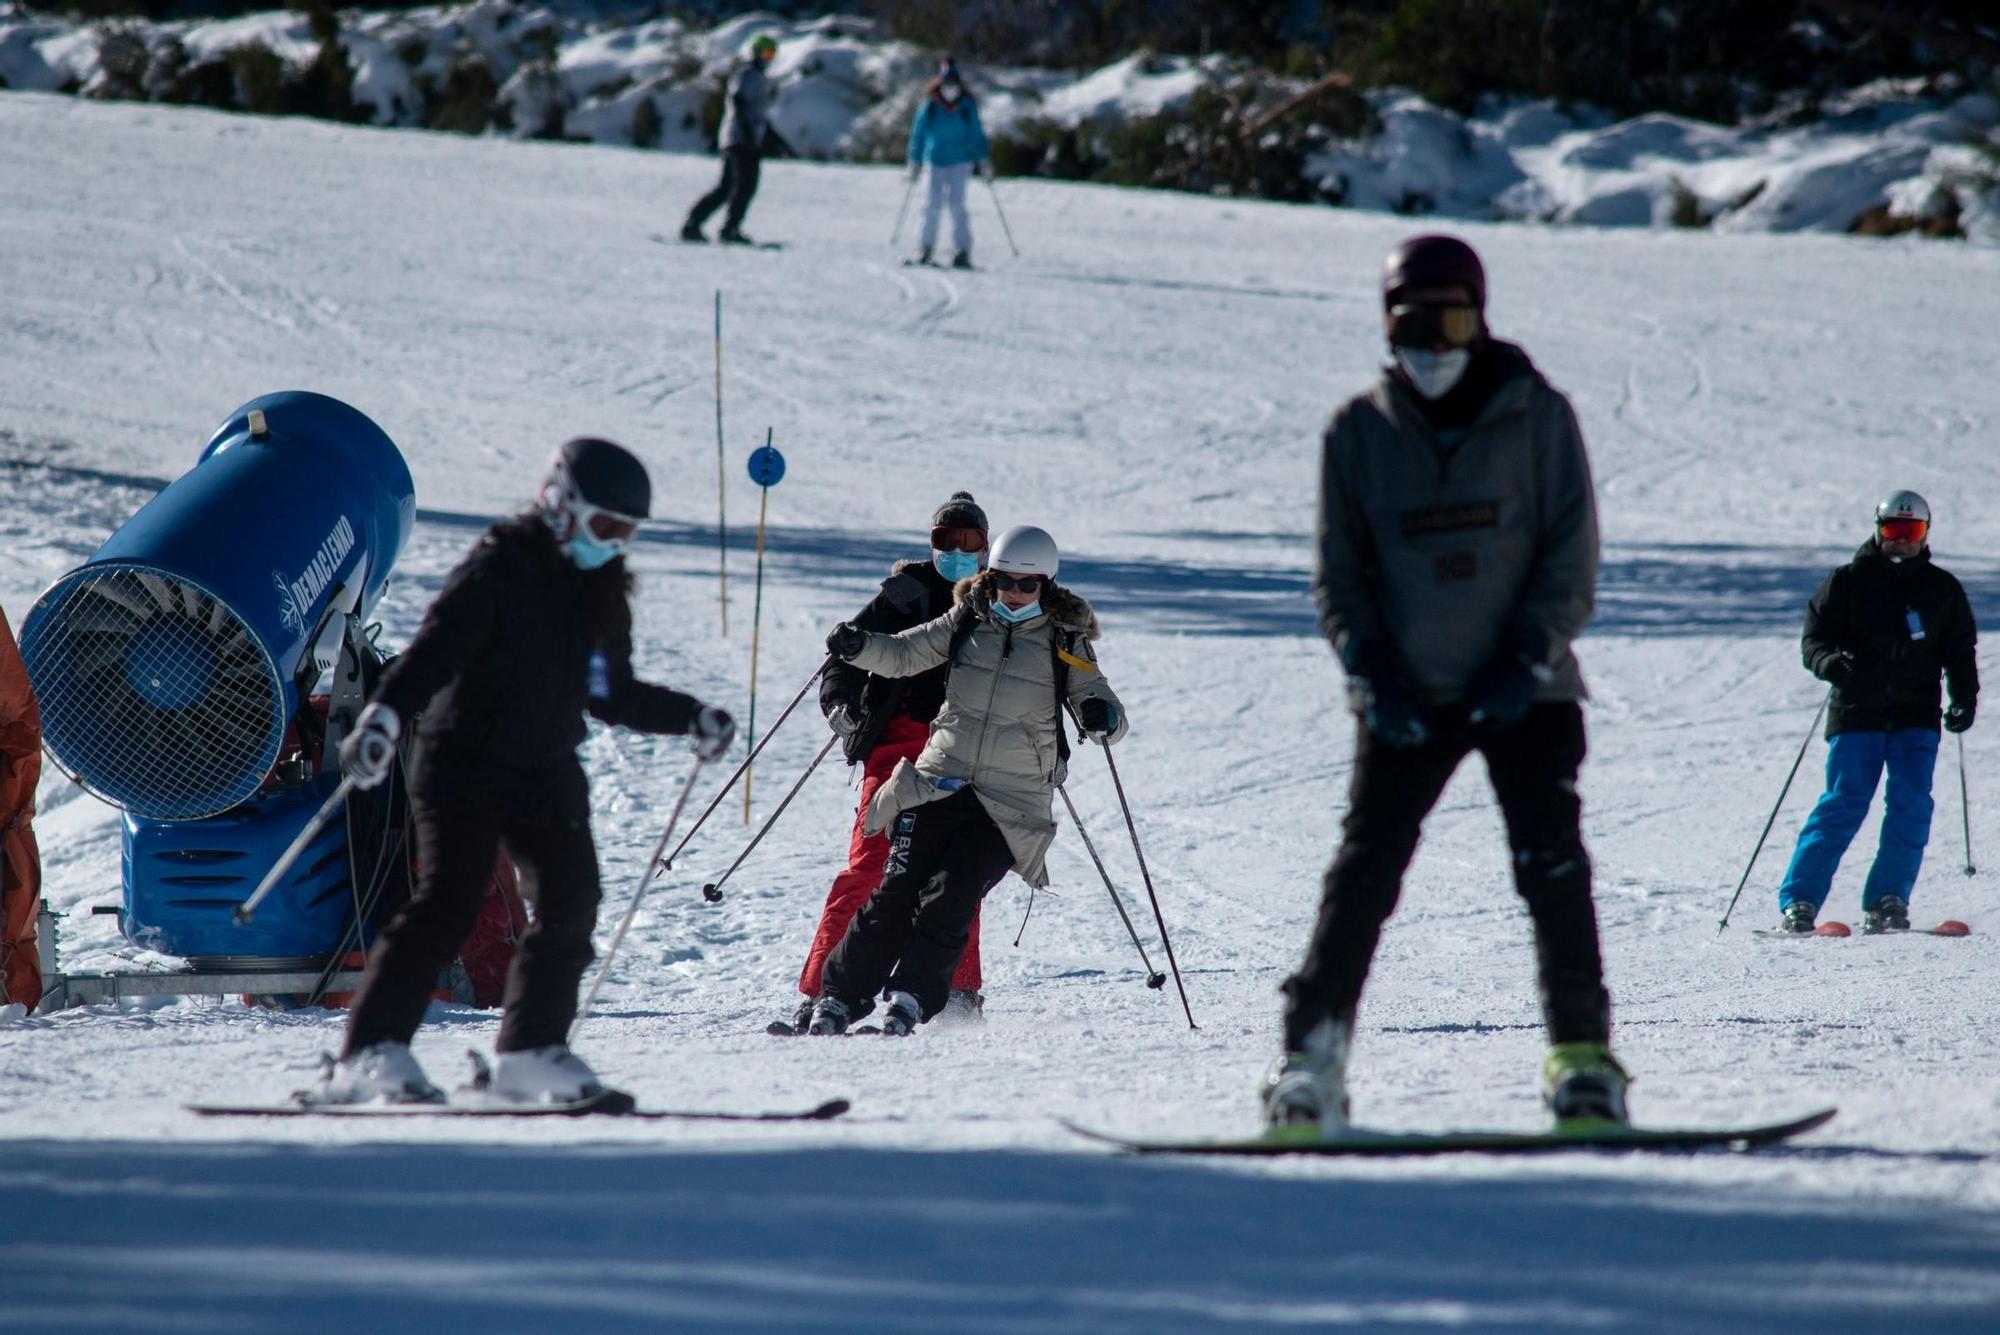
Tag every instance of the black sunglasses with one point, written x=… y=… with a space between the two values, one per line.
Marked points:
x=1007 y=583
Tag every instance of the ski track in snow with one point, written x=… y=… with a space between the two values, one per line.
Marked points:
x=1148 y=381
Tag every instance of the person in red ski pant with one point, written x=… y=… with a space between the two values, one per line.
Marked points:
x=882 y=721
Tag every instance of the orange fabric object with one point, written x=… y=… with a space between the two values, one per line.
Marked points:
x=868 y=856
x=20 y=860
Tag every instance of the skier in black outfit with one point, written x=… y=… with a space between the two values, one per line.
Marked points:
x=1457 y=561
x=883 y=720
x=531 y=631
x=1881 y=630
x=746 y=115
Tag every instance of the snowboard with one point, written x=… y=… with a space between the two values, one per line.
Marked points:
x=666 y=240
x=613 y=1103
x=1387 y=1144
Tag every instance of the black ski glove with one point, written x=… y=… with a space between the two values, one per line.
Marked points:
x=713 y=732
x=846 y=640
x=1099 y=717
x=1505 y=688
x=1381 y=693
x=1959 y=717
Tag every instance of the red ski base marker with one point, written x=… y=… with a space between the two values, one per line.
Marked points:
x=1951 y=927
x=1833 y=929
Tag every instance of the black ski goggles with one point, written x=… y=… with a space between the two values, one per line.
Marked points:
x=947 y=539
x=1426 y=325
x=1007 y=583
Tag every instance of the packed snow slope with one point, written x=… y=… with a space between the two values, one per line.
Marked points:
x=1147 y=381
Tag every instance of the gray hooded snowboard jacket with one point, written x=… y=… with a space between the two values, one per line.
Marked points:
x=998 y=728
x=1444 y=554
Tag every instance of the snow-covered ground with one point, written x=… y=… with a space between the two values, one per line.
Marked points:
x=1148 y=382
x=846 y=92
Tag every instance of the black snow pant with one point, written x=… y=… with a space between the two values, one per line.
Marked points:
x=740 y=169
x=1533 y=768
x=943 y=858
x=462 y=817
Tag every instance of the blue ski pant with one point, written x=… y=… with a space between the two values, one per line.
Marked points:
x=1854 y=765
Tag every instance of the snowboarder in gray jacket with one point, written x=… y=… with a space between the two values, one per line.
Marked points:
x=1457 y=560
x=746 y=115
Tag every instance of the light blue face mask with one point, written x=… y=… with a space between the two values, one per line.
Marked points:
x=588 y=552
x=955 y=566
x=1006 y=613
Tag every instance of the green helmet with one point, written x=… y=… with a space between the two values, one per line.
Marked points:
x=763 y=46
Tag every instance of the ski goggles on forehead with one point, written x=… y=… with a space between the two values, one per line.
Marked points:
x=1904 y=530
x=1007 y=583
x=957 y=540
x=1426 y=325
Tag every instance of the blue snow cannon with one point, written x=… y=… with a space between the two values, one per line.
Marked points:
x=174 y=665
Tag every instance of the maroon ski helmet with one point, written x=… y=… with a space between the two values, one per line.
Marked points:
x=1433 y=261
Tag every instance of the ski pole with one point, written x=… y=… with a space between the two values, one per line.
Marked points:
x=896 y=237
x=712 y=892
x=1154 y=978
x=646 y=874
x=1159 y=918
x=321 y=819
x=667 y=863
x=1723 y=926
x=1965 y=807
x=994 y=191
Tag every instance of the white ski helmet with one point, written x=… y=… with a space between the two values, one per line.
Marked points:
x=1903 y=505
x=1025 y=550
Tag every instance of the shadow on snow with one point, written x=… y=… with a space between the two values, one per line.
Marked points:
x=391 y=1237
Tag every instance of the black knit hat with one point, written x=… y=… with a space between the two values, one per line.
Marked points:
x=961 y=511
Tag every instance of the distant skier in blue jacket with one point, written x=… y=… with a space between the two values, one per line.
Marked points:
x=948 y=136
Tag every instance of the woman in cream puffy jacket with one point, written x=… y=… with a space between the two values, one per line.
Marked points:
x=978 y=801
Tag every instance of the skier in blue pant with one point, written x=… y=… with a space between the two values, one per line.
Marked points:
x=1881 y=630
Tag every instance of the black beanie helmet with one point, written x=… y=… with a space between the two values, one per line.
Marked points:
x=961 y=511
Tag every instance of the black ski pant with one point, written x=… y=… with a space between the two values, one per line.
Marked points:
x=943 y=858
x=1533 y=768
x=462 y=819
x=740 y=169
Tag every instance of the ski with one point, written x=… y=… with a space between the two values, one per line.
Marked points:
x=1951 y=927
x=1388 y=1144
x=719 y=244
x=612 y=1103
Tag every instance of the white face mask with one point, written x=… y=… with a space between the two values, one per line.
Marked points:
x=1434 y=373
x=950 y=92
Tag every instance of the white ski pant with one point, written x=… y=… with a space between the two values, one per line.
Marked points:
x=948 y=188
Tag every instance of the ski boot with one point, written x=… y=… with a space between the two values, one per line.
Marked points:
x=903 y=1016
x=802 y=1018
x=552 y=1074
x=963 y=1006
x=380 y=1073
x=732 y=236
x=1887 y=914
x=830 y=1016
x=1583 y=1085
x=691 y=232
x=1305 y=1094
x=1798 y=916
x=923 y=258
x=962 y=260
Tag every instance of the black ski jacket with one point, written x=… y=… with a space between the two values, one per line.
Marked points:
x=914 y=593
x=502 y=667
x=1858 y=638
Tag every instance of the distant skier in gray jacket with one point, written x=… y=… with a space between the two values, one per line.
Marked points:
x=746 y=116
x=1457 y=560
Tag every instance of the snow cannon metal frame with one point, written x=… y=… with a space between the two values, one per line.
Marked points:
x=174 y=670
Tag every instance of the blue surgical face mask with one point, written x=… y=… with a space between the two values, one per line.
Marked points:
x=1433 y=374
x=955 y=566
x=1006 y=613
x=588 y=552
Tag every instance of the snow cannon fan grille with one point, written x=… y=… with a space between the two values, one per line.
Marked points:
x=154 y=694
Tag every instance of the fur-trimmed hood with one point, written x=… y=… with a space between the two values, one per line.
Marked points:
x=1065 y=608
